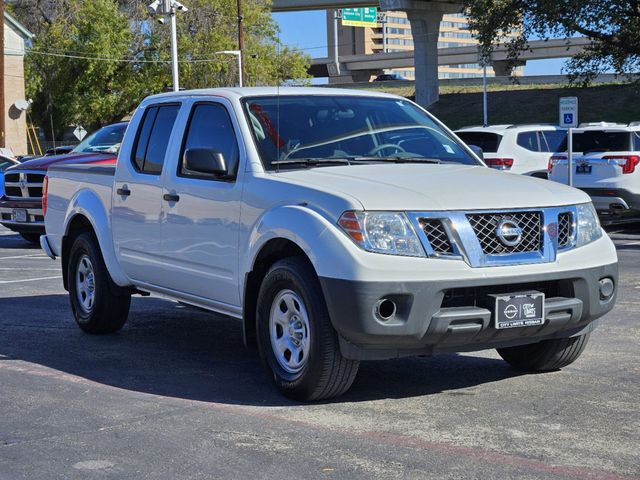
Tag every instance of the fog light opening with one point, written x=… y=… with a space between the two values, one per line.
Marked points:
x=385 y=309
x=606 y=288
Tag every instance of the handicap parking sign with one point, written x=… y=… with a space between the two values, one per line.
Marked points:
x=568 y=112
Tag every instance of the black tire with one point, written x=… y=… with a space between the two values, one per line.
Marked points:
x=545 y=356
x=109 y=309
x=325 y=373
x=31 y=238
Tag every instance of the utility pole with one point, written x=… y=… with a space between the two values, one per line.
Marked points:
x=2 y=112
x=241 y=74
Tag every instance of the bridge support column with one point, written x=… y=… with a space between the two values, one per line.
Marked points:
x=425 y=18
x=502 y=68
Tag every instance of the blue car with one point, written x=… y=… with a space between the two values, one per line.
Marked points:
x=5 y=162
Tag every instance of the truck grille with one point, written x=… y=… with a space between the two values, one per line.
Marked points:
x=565 y=229
x=485 y=226
x=437 y=235
x=23 y=184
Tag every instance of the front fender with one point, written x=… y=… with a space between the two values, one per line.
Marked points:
x=88 y=204
x=328 y=249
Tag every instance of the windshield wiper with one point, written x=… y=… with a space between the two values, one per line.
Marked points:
x=401 y=159
x=312 y=162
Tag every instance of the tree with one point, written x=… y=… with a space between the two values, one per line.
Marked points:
x=612 y=25
x=92 y=62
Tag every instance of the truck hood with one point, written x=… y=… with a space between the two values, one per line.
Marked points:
x=43 y=163
x=423 y=187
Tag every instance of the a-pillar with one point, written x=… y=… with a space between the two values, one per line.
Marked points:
x=425 y=18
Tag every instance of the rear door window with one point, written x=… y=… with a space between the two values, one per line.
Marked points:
x=636 y=141
x=601 y=141
x=153 y=138
x=529 y=141
x=488 y=142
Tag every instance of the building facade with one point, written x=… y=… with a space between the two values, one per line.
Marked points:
x=15 y=40
x=394 y=35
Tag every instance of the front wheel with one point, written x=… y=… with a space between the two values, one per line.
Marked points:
x=98 y=304
x=545 y=356
x=296 y=340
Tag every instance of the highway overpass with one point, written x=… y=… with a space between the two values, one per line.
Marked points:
x=358 y=67
x=294 y=5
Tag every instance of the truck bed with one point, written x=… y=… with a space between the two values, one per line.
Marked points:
x=67 y=183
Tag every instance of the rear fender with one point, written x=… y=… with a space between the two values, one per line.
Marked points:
x=86 y=203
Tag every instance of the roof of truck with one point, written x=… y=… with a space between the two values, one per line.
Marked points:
x=237 y=92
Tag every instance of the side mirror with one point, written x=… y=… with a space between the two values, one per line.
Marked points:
x=204 y=161
x=477 y=150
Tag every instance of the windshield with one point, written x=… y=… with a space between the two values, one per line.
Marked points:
x=291 y=129
x=107 y=139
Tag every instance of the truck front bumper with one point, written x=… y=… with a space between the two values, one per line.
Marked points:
x=23 y=216
x=451 y=316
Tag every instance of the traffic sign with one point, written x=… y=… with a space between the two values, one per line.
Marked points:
x=360 y=17
x=80 y=132
x=569 y=112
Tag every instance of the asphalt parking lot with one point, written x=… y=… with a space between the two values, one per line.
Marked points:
x=175 y=395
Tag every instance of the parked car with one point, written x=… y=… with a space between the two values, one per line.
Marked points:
x=5 y=162
x=523 y=149
x=338 y=226
x=606 y=167
x=390 y=77
x=21 y=204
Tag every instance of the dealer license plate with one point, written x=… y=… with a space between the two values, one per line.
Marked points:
x=519 y=310
x=20 y=215
x=583 y=169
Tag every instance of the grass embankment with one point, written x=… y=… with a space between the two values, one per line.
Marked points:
x=460 y=106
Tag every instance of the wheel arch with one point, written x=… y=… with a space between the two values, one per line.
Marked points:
x=86 y=213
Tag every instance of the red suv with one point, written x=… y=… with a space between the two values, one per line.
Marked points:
x=21 y=205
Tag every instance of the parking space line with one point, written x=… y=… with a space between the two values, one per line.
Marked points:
x=34 y=255
x=4 y=282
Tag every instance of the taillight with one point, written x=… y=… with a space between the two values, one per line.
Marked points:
x=554 y=160
x=45 y=191
x=627 y=162
x=499 y=163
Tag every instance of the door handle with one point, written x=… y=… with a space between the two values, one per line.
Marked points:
x=124 y=191
x=168 y=197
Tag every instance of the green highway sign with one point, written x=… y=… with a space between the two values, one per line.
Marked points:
x=360 y=17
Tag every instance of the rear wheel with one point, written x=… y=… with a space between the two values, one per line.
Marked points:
x=31 y=238
x=98 y=304
x=545 y=356
x=296 y=340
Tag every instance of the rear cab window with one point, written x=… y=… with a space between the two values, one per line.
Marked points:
x=153 y=136
x=487 y=141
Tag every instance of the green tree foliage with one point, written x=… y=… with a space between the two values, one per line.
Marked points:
x=92 y=62
x=612 y=25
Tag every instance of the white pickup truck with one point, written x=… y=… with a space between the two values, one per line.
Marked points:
x=338 y=226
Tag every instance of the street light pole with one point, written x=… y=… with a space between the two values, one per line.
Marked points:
x=2 y=113
x=174 y=45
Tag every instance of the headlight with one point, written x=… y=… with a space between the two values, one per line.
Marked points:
x=587 y=224
x=382 y=232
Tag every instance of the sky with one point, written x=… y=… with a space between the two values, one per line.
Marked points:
x=307 y=31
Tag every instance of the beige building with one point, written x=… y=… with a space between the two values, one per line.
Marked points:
x=15 y=38
x=395 y=36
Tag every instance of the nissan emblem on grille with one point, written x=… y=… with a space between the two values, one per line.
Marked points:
x=509 y=232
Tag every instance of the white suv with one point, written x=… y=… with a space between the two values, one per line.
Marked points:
x=605 y=166
x=523 y=149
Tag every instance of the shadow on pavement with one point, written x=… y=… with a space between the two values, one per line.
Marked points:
x=170 y=350
x=15 y=241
